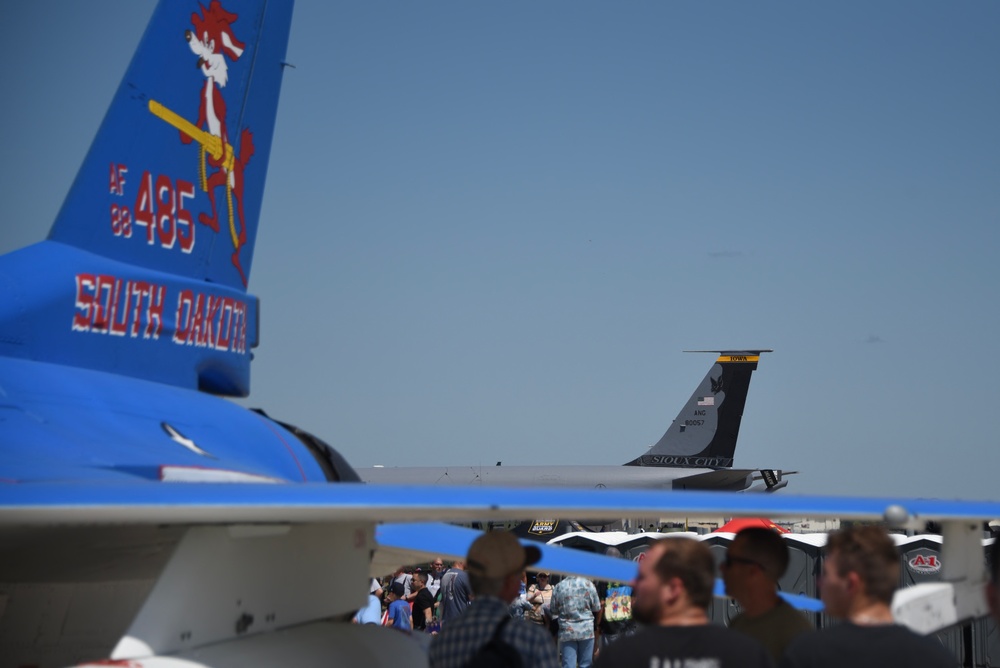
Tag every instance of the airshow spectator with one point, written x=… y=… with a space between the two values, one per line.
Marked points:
x=399 y=610
x=495 y=563
x=539 y=596
x=405 y=579
x=671 y=595
x=423 y=603
x=860 y=574
x=755 y=561
x=434 y=576
x=575 y=604
x=371 y=613
x=615 y=617
x=456 y=592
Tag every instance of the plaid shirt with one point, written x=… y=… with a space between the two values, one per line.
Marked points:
x=462 y=637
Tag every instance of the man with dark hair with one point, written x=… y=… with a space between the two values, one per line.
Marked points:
x=993 y=586
x=755 y=561
x=423 y=603
x=494 y=566
x=671 y=596
x=860 y=574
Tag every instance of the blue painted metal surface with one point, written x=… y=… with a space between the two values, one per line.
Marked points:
x=324 y=502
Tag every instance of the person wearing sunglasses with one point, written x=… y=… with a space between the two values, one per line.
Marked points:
x=755 y=561
x=670 y=597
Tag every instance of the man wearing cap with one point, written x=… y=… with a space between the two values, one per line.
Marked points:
x=671 y=595
x=494 y=565
x=399 y=613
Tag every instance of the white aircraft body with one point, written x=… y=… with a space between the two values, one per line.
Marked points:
x=696 y=452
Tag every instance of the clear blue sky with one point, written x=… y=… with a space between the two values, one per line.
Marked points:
x=490 y=229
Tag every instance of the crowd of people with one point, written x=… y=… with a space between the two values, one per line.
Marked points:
x=483 y=611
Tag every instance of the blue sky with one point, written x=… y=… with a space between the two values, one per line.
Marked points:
x=490 y=229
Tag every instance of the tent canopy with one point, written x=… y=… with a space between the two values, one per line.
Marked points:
x=737 y=524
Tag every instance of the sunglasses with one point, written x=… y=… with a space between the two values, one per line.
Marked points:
x=730 y=560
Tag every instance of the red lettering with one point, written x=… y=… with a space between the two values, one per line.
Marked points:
x=198 y=321
x=214 y=303
x=121 y=221
x=116 y=181
x=111 y=305
x=154 y=313
x=119 y=305
x=116 y=220
x=185 y=224
x=165 y=211
x=103 y=294
x=144 y=206
x=243 y=327
x=225 y=322
x=139 y=290
x=84 y=302
x=234 y=326
x=185 y=302
x=126 y=222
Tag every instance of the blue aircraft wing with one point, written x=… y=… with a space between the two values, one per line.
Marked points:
x=186 y=503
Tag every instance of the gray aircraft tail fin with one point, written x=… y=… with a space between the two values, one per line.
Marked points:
x=703 y=435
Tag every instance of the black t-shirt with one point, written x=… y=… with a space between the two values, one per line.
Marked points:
x=423 y=601
x=863 y=646
x=704 y=645
x=620 y=607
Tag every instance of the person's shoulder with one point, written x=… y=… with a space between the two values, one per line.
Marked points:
x=901 y=643
x=924 y=646
x=525 y=634
x=789 y=616
x=533 y=642
x=724 y=639
x=727 y=636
